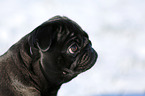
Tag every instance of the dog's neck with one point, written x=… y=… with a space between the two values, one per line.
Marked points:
x=34 y=63
x=30 y=61
x=45 y=85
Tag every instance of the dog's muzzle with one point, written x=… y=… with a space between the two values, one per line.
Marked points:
x=84 y=61
x=87 y=60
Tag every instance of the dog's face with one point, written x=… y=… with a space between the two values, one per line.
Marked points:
x=65 y=49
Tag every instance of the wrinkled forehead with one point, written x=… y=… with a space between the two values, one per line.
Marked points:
x=66 y=23
x=70 y=30
x=65 y=28
x=75 y=29
x=75 y=32
x=69 y=24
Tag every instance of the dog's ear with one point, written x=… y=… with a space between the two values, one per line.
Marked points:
x=42 y=36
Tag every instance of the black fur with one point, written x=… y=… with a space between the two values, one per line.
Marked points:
x=52 y=54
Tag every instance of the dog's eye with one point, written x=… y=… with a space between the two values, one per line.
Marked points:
x=72 y=49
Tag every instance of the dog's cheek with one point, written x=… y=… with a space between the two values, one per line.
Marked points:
x=60 y=60
x=62 y=63
x=47 y=62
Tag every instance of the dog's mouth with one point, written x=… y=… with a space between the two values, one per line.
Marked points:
x=78 y=67
x=86 y=61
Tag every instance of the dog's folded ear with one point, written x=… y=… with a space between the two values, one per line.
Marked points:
x=42 y=36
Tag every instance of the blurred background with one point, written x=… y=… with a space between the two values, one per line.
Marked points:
x=115 y=27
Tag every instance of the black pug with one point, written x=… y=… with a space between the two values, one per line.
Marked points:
x=52 y=54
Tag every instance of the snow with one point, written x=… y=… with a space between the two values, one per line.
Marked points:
x=115 y=27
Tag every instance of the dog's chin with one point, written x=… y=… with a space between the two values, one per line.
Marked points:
x=86 y=61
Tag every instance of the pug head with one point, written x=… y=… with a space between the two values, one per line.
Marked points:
x=65 y=49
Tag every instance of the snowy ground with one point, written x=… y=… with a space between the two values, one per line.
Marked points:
x=116 y=29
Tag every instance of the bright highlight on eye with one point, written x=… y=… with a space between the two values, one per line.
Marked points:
x=73 y=48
